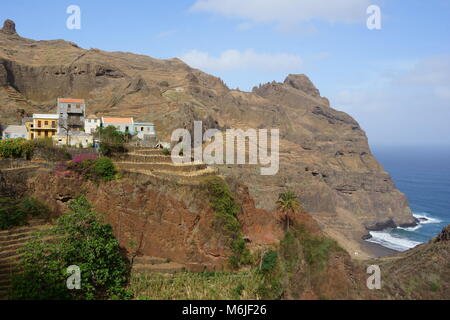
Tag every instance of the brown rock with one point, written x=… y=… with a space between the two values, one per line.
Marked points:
x=444 y=235
x=9 y=27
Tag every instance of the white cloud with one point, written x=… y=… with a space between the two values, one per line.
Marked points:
x=287 y=12
x=242 y=60
x=402 y=105
x=432 y=71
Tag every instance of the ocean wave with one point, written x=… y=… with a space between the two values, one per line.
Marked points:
x=411 y=228
x=390 y=241
x=424 y=215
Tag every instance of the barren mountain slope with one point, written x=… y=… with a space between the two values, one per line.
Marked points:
x=324 y=153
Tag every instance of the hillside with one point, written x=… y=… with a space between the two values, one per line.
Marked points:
x=324 y=153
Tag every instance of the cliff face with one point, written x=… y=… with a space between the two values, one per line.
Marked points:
x=324 y=154
x=156 y=217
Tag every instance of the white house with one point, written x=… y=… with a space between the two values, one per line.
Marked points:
x=14 y=132
x=91 y=123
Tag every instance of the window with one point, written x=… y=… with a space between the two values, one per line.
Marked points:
x=46 y=123
x=69 y=106
x=39 y=124
x=46 y=134
x=78 y=106
x=142 y=128
x=39 y=133
x=53 y=124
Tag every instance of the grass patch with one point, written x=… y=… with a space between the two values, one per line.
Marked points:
x=196 y=286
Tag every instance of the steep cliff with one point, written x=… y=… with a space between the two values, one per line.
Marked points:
x=324 y=154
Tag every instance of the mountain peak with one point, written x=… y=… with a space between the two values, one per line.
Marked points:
x=9 y=27
x=302 y=82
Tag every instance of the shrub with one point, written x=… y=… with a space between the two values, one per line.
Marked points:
x=112 y=141
x=226 y=210
x=108 y=149
x=46 y=149
x=15 y=213
x=89 y=167
x=83 y=240
x=103 y=168
x=16 y=148
x=269 y=261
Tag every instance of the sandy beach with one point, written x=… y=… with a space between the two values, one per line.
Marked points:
x=377 y=250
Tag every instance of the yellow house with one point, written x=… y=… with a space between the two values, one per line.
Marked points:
x=43 y=126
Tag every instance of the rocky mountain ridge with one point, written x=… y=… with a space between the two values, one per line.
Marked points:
x=324 y=153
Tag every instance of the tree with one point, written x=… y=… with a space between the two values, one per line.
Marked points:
x=288 y=204
x=111 y=140
x=79 y=238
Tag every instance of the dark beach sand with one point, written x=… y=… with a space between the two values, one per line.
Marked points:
x=377 y=250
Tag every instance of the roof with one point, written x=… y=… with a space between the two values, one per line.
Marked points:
x=143 y=124
x=45 y=116
x=15 y=129
x=69 y=100
x=117 y=120
x=91 y=116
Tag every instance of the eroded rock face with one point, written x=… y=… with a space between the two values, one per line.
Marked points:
x=157 y=218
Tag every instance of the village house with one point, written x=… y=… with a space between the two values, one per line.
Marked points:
x=121 y=124
x=144 y=130
x=71 y=114
x=75 y=139
x=91 y=123
x=42 y=126
x=14 y=132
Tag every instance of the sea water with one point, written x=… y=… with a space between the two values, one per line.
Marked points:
x=423 y=175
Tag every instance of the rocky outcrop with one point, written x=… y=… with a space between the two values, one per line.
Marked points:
x=9 y=27
x=443 y=236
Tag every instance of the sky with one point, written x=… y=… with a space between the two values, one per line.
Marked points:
x=395 y=81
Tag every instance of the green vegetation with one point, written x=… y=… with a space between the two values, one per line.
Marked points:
x=226 y=211
x=269 y=261
x=79 y=238
x=91 y=168
x=166 y=152
x=15 y=213
x=102 y=168
x=44 y=149
x=111 y=140
x=196 y=286
x=288 y=204
x=16 y=148
x=301 y=257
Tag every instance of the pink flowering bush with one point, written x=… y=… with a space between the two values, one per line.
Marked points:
x=83 y=157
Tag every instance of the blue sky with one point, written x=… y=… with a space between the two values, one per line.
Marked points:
x=394 y=81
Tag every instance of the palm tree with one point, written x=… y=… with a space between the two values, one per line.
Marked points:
x=288 y=204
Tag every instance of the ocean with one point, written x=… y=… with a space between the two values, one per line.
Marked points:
x=423 y=175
